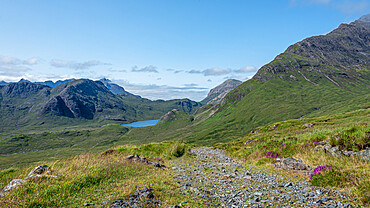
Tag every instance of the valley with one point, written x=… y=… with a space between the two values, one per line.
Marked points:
x=297 y=134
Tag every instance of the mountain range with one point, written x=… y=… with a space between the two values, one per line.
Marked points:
x=28 y=105
x=317 y=76
x=114 y=88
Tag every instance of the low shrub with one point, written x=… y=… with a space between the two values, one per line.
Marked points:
x=178 y=149
x=272 y=154
x=355 y=138
x=329 y=176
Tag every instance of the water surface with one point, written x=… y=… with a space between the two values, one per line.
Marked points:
x=142 y=123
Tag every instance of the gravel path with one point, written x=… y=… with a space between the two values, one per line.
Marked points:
x=223 y=182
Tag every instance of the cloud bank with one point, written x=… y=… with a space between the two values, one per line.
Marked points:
x=219 y=71
x=165 y=92
x=150 y=68
x=58 y=63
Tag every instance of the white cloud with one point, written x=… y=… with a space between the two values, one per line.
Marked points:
x=76 y=65
x=13 y=70
x=219 y=71
x=12 y=67
x=150 y=68
x=31 y=61
x=7 y=60
x=165 y=92
x=211 y=72
x=246 y=69
x=216 y=72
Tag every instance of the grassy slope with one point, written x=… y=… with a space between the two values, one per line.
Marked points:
x=292 y=139
x=55 y=145
x=262 y=103
x=95 y=178
x=80 y=177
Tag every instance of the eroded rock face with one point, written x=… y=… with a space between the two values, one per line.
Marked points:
x=21 y=90
x=216 y=94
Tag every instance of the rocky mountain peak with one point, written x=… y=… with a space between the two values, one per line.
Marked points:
x=365 y=18
x=333 y=55
x=216 y=94
x=21 y=89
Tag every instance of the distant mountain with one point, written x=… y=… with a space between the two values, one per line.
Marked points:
x=3 y=83
x=25 y=104
x=115 y=88
x=317 y=76
x=216 y=94
x=54 y=84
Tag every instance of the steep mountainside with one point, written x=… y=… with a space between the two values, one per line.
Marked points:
x=318 y=76
x=24 y=105
x=216 y=94
x=114 y=88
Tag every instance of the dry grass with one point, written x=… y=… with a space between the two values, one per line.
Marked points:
x=93 y=179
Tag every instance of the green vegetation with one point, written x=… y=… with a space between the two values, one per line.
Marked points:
x=95 y=178
x=36 y=147
x=295 y=138
x=30 y=108
x=167 y=149
x=352 y=139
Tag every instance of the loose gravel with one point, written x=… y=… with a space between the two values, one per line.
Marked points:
x=223 y=182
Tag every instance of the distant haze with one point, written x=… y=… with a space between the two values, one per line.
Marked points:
x=158 y=49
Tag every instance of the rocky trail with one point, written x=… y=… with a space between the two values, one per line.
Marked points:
x=223 y=182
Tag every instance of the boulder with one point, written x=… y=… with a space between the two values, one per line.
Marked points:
x=38 y=170
x=137 y=158
x=309 y=125
x=363 y=155
x=254 y=132
x=334 y=151
x=250 y=141
x=290 y=163
x=12 y=185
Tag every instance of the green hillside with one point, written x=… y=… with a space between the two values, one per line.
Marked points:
x=27 y=107
x=318 y=76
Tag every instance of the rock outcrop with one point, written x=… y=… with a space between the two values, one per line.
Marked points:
x=39 y=171
x=216 y=94
x=335 y=151
x=290 y=163
x=138 y=159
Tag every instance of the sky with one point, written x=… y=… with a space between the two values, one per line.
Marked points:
x=158 y=49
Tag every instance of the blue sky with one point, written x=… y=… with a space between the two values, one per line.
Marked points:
x=159 y=49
